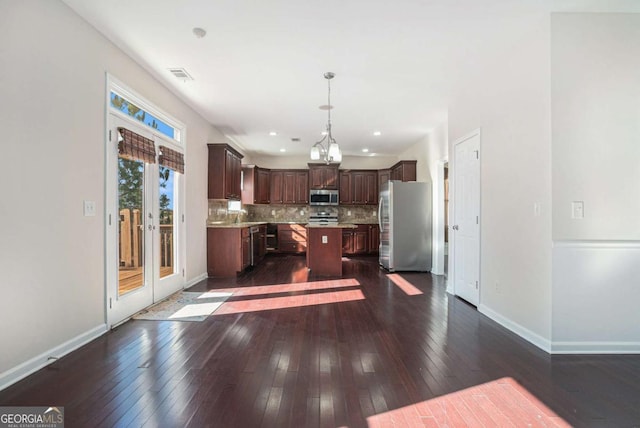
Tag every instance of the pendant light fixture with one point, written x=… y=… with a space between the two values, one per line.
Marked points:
x=332 y=152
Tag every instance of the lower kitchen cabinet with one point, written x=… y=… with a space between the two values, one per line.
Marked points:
x=364 y=239
x=228 y=251
x=292 y=238
x=374 y=239
x=355 y=241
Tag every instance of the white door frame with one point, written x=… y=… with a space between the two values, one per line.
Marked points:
x=452 y=198
x=438 y=219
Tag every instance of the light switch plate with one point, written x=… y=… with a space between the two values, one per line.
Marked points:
x=577 y=210
x=89 y=208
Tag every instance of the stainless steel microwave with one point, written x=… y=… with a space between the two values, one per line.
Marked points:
x=323 y=197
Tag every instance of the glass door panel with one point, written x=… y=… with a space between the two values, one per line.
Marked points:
x=131 y=232
x=167 y=221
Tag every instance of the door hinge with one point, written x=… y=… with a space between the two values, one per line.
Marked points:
x=109 y=135
x=110 y=303
x=477 y=152
x=183 y=273
x=109 y=219
x=183 y=218
x=476 y=285
x=477 y=220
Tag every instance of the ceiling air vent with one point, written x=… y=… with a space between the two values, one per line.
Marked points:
x=295 y=139
x=180 y=73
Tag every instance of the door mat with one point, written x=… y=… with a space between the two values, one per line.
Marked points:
x=184 y=306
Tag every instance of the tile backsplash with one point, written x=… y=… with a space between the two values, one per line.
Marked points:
x=219 y=212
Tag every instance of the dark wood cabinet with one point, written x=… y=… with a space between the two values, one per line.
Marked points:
x=355 y=241
x=323 y=176
x=345 y=188
x=374 y=238
x=261 y=242
x=404 y=171
x=276 y=187
x=255 y=185
x=384 y=175
x=324 y=253
x=224 y=172
x=289 y=186
x=359 y=187
x=228 y=251
x=292 y=238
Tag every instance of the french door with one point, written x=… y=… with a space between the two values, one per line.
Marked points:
x=143 y=223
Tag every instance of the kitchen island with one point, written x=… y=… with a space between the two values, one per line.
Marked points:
x=324 y=248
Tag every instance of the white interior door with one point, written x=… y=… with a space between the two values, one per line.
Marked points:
x=466 y=218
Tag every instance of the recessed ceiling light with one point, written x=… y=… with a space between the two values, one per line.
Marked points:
x=283 y=150
x=273 y=133
x=365 y=150
x=377 y=133
x=199 y=32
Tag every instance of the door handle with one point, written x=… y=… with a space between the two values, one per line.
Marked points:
x=455 y=227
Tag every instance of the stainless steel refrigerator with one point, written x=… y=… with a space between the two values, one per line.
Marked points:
x=404 y=214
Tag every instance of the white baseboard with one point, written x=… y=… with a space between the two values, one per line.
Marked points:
x=23 y=370
x=595 y=347
x=521 y=331
x=197 y=279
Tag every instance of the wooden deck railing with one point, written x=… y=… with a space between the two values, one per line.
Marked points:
x=131 y=237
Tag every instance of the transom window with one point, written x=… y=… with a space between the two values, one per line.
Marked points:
x=125 y=106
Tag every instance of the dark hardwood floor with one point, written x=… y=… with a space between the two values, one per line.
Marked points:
x=373 y=349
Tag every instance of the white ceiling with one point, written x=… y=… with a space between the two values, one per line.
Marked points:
x=260 y=67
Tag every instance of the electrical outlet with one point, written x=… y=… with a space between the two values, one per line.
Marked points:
x=301 y=212
x=498 y=287
x=273 y=212
x=325 y=240
x=349 y=212
x=375 y=214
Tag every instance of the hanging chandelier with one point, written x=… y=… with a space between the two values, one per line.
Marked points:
x=327 y=149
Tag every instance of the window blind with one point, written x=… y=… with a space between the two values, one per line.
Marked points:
x=171 y=159
x=136 y=147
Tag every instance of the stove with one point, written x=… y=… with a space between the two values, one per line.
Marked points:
x=323 y=217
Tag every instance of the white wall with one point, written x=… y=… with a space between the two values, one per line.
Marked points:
x=429 y=152
x=595 y=88
x=52 y=88
x=596 y=125
x=505 y=93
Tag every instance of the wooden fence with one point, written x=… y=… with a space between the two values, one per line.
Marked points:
x=132 y=236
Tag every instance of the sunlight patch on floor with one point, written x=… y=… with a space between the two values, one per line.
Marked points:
x=289 y=288
x=404 y=285
x=502 y=402
x=271 y=303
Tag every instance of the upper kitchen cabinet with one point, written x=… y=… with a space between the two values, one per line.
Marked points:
x=384 y=175
x=289 y=186
x=404 y=171
x=255 y=185
x=359 y=187
x=224 y=172
x=322 y=176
